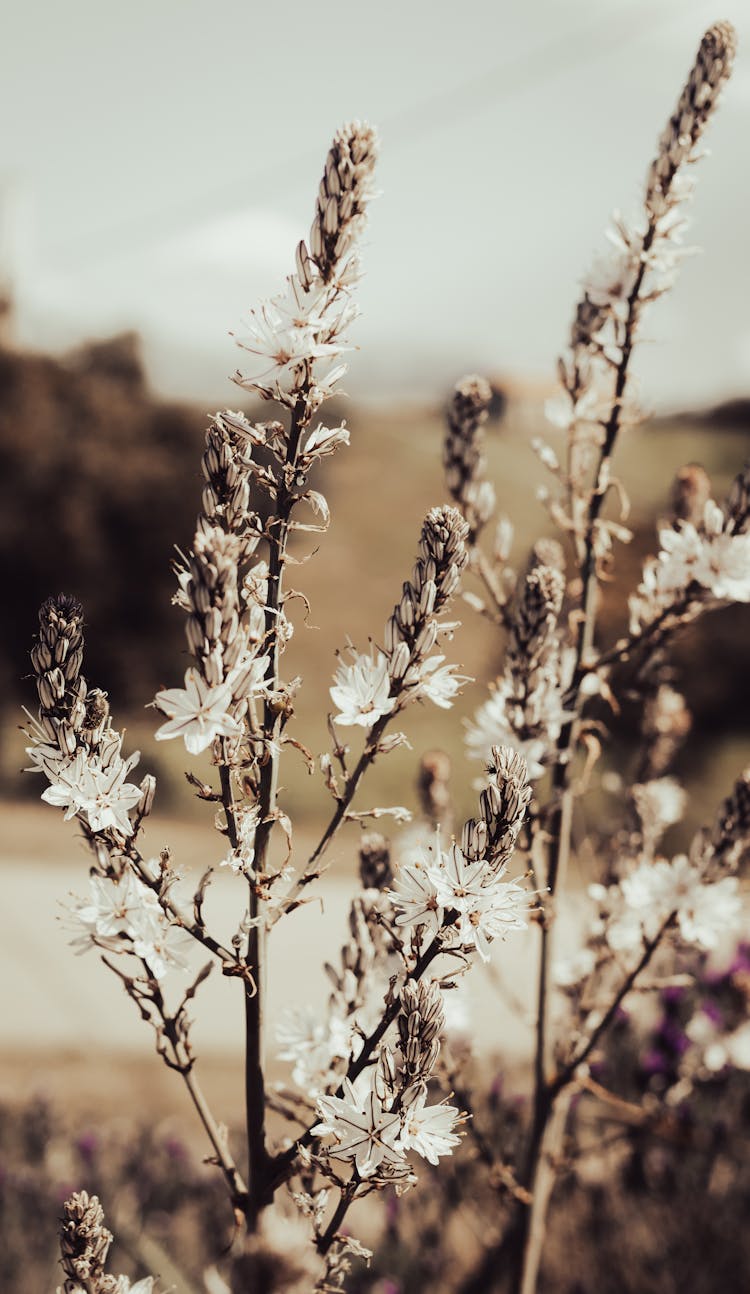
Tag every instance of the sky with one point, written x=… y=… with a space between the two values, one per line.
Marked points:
x=161 y=158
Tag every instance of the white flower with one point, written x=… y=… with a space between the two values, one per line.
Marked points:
x=164 y=947
x=46 y=759
x=324 y=440
x=661 y=800
x=571 y=971
x=282 y=335
x=488 y=907
x=610 y=282
x=621 y=925
x=248 y=676
x=117 y=907
x=436 y=681
x=125 y=916
x=708 y=555
x=710 y=912
x=94 y=784
x=197 y=713
x=724 y=567
x=705 y=911
x=313 y=1045
x=363 y=1129
x=428 y=1129
x=361 y=690
x=106 y=798
x=66 y=780
x=589 y=410
x=484 y=906
x=293 y=332
x=416 y=897
x=490 y=727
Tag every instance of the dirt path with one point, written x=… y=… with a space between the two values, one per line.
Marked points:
x=68 y=1029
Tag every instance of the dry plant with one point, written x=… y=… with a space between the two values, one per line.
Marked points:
x=374 y=1086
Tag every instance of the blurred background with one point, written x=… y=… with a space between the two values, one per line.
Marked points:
x=159 y=166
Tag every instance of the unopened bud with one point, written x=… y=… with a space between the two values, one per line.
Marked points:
x=146 y=802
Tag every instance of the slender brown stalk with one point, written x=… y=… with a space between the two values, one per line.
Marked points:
x=311 y=871
x=237 y=1188
x=179 y=1057
x=327 y=1237
x=565 y=1075
x=255 y=1090
x=698 y=99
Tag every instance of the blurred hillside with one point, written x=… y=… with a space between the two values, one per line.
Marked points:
x=100 y=481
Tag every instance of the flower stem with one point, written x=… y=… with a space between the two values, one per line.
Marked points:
x=261 y=1191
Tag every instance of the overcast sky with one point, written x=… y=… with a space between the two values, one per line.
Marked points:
x=161 y=159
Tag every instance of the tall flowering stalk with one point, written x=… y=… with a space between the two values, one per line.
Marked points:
x=552 y=666
x=375 y=1085
x=369 y=1065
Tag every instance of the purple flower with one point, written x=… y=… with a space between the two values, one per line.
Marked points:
x=175 y=1148
x=713 y=1011
x=741 y=961
x=496 y=1091
x=673 y=994
x=672 y=1036
x=654 y=1061
x=87 y=1145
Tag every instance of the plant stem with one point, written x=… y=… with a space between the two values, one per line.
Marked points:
x=649 y=948
x=183 y=1062
x=237 y=1188
x=543 y=1142
x=326 y=1239
x=261 y=1192
x=542 y=1184
x=311 y=871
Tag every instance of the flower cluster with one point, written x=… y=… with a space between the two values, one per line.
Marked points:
x=458 y=894
x=371 y=1130
x=91 y=783
x=463 y=457
x=597 y=398
x=710 y=559
x=377 y=683
x=384 y=1113
x=123 y=915
x=129 y=909
x=524 y=709
x=73 y=742
x=656 y=892
x=298 y=337
x=84 y=1247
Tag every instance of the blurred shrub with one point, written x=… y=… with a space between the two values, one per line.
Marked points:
x=94 y=475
